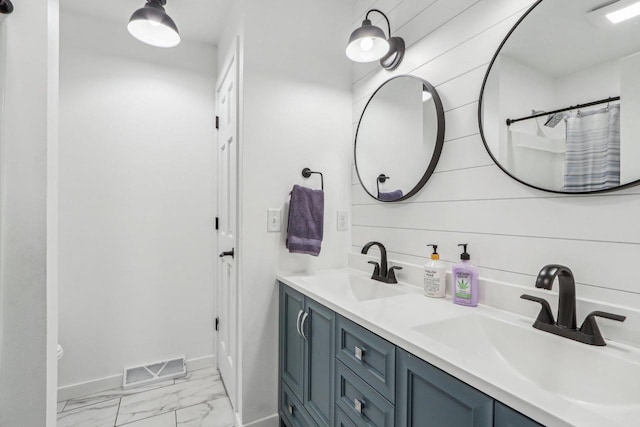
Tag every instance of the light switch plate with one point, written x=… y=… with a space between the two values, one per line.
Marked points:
x=273 y=220
x=343 y=220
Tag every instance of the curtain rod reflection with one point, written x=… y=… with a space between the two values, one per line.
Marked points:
x=572 y=107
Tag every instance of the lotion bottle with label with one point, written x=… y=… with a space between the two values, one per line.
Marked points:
x=465 y=280
x=435 y=274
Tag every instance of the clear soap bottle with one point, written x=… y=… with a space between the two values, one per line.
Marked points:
x=435 y=274
x=465 y=280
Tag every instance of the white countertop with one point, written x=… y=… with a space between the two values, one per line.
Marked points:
x=403 y=318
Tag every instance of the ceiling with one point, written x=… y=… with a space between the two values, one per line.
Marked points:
x=558 y=38
x=199 y=20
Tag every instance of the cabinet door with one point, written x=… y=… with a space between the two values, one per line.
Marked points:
x=507 y=417
x=291 y=342
x=428 y=397
x=318 y=327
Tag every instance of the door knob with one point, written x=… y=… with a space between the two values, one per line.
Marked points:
x=228 y=253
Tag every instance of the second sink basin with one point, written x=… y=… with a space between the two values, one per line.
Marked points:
x=561 y=366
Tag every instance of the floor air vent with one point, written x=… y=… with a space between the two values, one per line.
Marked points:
x=155 y=372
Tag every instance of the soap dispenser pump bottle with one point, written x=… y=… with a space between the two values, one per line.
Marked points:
x=435 y=274
x=465 y=280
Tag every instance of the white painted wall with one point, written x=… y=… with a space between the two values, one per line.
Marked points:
x=597 y=82
x=295 y=113
x=512 y=230
x=27 y=360
x=137 y=200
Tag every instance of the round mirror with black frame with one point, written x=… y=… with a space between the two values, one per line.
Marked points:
x=559 y=104
x=399 y=138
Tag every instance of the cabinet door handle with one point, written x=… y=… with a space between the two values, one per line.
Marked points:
x=298 y=322
x=304 y=319
x=228 y=253
x=358 y=405
x=290 y=409
x=358 y=353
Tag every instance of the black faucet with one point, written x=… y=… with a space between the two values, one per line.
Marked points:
x=380 y=271
x=567 y=300
x=589 y=333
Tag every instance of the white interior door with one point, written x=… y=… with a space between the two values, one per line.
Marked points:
x=227 y=337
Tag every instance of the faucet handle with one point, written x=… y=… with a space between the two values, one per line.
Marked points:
x=545 y=315
x=391 y=274
x=590 y=326
x=376 y=270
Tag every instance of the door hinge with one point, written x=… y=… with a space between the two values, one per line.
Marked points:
x=217 y=323
x=217 y=122
x=217 y=223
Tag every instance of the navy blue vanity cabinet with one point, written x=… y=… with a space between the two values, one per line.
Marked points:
x=334 y=372
x=427 y=396
x=306 y=360
x=507 y=417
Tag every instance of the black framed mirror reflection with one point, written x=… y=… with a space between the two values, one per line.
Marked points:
x=559 y=104
x=399 y=138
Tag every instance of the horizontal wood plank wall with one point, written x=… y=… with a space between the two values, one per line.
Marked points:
x=512 y=230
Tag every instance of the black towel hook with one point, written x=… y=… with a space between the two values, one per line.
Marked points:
x=382 y=178
x=306 y=172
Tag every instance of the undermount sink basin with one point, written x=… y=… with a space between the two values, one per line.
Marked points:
x=367 y=289
x=358 y=288
x=561 y=366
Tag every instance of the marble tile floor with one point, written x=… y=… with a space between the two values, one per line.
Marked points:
x=196 y=400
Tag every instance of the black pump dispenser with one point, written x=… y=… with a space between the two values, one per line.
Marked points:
x=464 y=256
x=435 y=249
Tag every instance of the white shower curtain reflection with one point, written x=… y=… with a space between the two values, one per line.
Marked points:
x=592 y=160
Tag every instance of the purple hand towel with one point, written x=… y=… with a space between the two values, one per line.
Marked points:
x=390 y=196
x=306 y=221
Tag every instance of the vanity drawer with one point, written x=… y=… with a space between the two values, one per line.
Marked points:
x=360 y=402
x=292 y=411
x=368 y=355
x=342 y=420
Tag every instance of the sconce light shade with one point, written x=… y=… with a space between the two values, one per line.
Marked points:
x=367 y=43
x=152 y=25
x=6 y=7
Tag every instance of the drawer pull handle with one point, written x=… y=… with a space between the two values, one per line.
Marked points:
x=358 y=405
x=290 y=409
x=359 y=353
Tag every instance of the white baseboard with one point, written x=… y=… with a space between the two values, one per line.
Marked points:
x=270 y=421
x=201 y=363
x=114 y=381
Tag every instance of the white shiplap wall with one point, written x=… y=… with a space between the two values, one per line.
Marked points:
x=512 y=230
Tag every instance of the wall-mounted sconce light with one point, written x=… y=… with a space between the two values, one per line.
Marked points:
x=368 y=43
x=152 y=25
x=6 y=7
